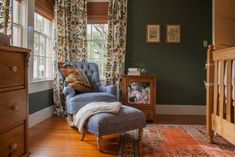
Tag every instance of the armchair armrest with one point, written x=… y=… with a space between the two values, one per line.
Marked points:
x=68 y=91
x=112 y=89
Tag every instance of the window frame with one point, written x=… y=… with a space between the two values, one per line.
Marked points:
x=47 y=55
x=19 y=23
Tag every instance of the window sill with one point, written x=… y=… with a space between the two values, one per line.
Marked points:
x=38 y=81
x=40 y=85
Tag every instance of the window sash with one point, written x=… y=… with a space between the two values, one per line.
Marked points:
x=18 y=12
x=42 y=66
x=17 y=23
x=99 y=58
x=19 y=39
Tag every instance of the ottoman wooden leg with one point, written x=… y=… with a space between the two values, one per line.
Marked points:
x=99 y=143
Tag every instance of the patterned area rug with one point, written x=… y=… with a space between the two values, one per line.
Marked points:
x=174 y=141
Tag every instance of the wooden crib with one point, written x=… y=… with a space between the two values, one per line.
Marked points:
x=220 y=93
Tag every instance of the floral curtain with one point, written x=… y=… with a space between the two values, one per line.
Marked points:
x=5 y=17
x=117 y=23
x=70 y=41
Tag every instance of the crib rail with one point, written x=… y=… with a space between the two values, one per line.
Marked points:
x=221 y=93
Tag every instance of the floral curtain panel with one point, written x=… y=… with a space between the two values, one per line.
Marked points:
x=5 y=17
x=70 y=41
x=117 y=21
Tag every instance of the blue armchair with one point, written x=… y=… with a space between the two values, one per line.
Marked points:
x=101 y=93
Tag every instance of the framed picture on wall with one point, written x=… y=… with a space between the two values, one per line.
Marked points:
x=173 y=33
x=153 y=33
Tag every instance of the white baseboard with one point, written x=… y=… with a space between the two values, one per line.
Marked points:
x=40 y=116
x=181 y=109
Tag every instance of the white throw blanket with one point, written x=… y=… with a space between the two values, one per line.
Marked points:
x=94 y=108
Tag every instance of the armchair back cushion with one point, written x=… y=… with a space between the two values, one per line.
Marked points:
x=76 y=78
x=91 y=70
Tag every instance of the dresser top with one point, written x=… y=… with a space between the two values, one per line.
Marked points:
x=14 y=49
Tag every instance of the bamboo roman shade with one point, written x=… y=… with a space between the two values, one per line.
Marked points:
x=45 y=8
x=97 y=12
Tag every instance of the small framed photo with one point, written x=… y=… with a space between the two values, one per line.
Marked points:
x=153 y=33
x=173 y=33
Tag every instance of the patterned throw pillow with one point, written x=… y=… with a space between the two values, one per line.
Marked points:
x=76 y=78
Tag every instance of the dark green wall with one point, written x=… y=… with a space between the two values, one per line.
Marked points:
x=179 y=67
x=40 y=100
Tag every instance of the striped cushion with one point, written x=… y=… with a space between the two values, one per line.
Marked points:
x=76 y=78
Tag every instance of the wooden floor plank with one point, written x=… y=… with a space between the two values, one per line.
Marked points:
x=54 y=138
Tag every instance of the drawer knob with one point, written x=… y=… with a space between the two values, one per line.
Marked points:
x=13 y=147
x=15 y=107
x=14 y=68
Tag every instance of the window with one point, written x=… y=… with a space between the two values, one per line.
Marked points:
x=17 y=24
x=97 y=34
x=97 y=46
x=42 y=63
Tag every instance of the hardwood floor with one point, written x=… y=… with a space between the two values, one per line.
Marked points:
x=181 y=119
x=54 y=138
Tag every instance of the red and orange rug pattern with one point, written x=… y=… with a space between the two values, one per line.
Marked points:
x=160 y=140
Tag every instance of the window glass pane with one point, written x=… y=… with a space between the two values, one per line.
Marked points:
x=89 y=32
x=15 y=12
x=48 y=66
x=42 y=51
x=35 y=20
x=99 y=32
x=97 y=49
x=17 y=24
x=97 y=46
x=46 y=27
x=48 y=47
x=35 y=67
x=36 y=44
x=17 y=34
x=39 y=23
x=41 y=67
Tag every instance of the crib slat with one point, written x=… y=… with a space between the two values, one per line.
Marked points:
x=229 y=93
x=215 y=106
x=221 y=103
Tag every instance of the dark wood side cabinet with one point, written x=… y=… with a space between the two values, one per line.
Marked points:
x=14 y=101
x=140 y=92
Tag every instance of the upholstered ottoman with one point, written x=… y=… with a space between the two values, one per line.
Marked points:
x=128 y=118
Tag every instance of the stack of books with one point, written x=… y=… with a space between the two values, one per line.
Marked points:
x=133 y=71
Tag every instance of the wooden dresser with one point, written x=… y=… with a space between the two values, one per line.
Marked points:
x=14 y=101
x=140 y=92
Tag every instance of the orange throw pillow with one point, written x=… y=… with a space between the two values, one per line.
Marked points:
x=76 y=78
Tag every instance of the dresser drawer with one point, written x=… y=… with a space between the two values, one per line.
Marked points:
x=12 y=69
x=12 y=142
x=12 y=108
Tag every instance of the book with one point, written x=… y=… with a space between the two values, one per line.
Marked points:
x=133 y=69
x=134 y=73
